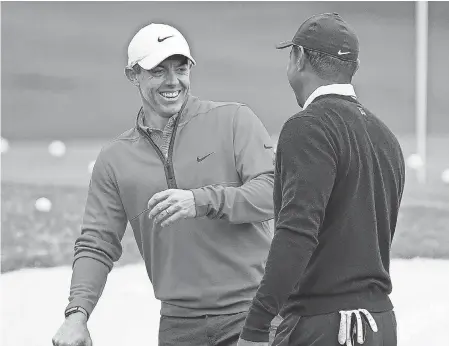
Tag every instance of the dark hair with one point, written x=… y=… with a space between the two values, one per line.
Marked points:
x=137 y=69
x=331 y=68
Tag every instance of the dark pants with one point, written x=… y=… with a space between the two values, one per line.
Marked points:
x=221 y=330
x=322 y=330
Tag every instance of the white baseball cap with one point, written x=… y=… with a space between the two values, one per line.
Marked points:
x=154 y=43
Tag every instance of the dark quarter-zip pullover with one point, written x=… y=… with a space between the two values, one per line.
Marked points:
x=339 y=179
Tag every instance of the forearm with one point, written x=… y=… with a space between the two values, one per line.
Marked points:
x=251 y=202
x=288 y=257
x=93 y=260
x=88 y=280
x=99 y=245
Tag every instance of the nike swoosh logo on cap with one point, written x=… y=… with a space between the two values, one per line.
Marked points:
x=163 y=39
x=267 y=146
x=342 y=53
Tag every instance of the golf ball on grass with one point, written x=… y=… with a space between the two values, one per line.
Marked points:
x=445 y=176
x=415 y=161
x=57 y=149
x=4 y=145
x=43 y=205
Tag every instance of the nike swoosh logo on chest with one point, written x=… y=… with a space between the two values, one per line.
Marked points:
x=199 y=159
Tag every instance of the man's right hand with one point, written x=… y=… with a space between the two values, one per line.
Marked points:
x=73 y=332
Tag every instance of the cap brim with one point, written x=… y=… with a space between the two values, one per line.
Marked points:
x=151 y=62
x=284 y=44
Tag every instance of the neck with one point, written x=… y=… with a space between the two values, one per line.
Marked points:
x=152 y=119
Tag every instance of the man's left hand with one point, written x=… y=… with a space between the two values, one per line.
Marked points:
x=242 y=342
x=169 y=206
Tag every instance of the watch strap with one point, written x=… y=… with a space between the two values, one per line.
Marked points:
x=75 y=309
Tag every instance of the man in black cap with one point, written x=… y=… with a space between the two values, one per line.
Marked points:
x=339 y=178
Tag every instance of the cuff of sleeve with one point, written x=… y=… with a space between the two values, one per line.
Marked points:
x=85 y=304
x=201 y=202
x=257 y=325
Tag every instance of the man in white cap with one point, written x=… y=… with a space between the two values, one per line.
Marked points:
x=194 y=179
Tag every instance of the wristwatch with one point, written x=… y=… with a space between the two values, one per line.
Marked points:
x=70 y=311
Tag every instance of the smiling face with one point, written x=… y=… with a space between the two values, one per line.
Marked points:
x=165 y=87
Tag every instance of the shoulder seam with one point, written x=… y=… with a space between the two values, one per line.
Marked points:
x=120 y=138
x=237 y=104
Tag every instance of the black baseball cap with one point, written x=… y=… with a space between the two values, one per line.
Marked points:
x=326 y=33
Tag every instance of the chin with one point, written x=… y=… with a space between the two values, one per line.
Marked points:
x=172 y=110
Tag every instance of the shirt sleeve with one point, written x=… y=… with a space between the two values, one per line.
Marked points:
x=253 y=152
x=99 y=245
x=306 y=165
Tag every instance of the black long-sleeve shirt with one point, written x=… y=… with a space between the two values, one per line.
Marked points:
x=338 y=185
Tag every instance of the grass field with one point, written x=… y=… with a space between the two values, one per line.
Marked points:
x=32 y=239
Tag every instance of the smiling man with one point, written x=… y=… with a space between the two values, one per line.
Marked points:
x=194 y=179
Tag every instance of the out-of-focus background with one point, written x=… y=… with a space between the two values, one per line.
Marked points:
x=64 y=95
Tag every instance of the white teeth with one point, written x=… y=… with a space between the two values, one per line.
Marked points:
x=170 y=94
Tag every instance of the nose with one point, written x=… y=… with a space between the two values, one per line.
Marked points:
x=172 y=79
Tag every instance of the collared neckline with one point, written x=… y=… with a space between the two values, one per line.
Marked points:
x=339 y=89
x=170 y=123
x=140 y=121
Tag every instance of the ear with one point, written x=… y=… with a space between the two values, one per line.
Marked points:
x=300 y=57
x=358 y=65
x=131 y=75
